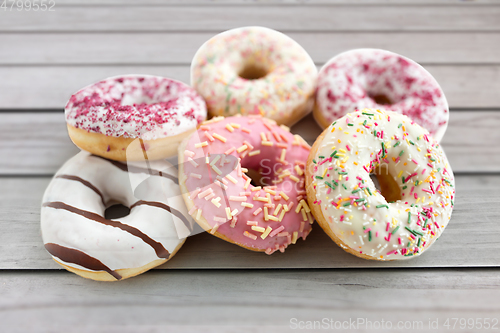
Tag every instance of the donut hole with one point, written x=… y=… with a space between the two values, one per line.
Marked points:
x=257 y=179
x=116 y=211
x=386 y=185
x=253 y=71
x=381 y=99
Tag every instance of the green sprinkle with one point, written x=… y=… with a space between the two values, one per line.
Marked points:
x=375 y=133
x=367 y=114
x=359 y=200
x=343 y=185
x=364 y=123
x=401 y=153
x=334 y=123
x=432 y=159
x=400 y=125
x=419 y=239
x=383 y=150
x=394 y=231
x=319 y=177
x=321 y=156
x=346 y=204
x=452 y=203
x=405 y=187
x=408 y=245
x=342 y=173
x=425 y=223
x=356 y=191
x=403 y=179
x=368 y=189
x=314 y=160
x=369 y=236
x=329 y=185
x=397 y=143
x=380 y=206
x=409 y=217
x=335 y=182
x=350 y=124
x=332 y=154
x=411 y=142
x=413 y=232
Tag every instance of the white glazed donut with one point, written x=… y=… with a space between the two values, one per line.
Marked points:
x=104 y=118
x=417 y=185
x=78 y=236
x=255 y=70
x=373 y=78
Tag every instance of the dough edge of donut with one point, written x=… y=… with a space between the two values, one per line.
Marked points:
x=124 y=272
x=97 y=144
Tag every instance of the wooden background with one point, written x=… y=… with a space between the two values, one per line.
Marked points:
x=211 y=285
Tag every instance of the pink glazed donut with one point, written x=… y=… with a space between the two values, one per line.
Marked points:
x=379 y=79
x=213 y=167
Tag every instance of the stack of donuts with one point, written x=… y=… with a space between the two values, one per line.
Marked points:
x=376 y=180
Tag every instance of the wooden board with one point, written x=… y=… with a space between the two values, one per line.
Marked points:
x=39 y=87
x=319 y=17
x=179 y=48
x=470 y=240
x=245 y=301
x=42 y=137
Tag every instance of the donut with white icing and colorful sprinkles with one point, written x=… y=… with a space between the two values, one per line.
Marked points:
x=374 y=78
x=252 y=71
x=416 y=195
x=107 y=117
x=213 y=167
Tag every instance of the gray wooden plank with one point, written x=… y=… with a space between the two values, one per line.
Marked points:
x=42 y=137
x=25 y=87
x=274 y=2
x=217 y=18
x=179 y=48
x=471 y=238
x=248 y=301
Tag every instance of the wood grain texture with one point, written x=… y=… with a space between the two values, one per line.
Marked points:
x=42 y=137
x=470 y=240
x=243 y=301
x=179 y=48
x=38 y=87
x=321 y=17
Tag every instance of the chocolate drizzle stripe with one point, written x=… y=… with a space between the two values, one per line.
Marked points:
x=78 y=257
x=135 y=169
x=84 y=182
x=161 y=252
x=167 y=208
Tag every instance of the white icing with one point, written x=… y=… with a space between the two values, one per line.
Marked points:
x=115 y=248
x=290 y=81
x=351 y=223
x=346 y=82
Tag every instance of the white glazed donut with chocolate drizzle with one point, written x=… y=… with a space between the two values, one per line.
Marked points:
x=78 y=236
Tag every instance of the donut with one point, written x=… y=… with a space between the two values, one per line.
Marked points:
x=373 y=78
x=79 y=237
x=416 y=195
x=106 y=117
x=215 y=168
x=252 y=71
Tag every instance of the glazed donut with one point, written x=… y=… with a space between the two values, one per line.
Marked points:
x=373 y=78
x=255 y=70
x=80 y=239
x=416 y=181
x=213 y=163
x=106 y=117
